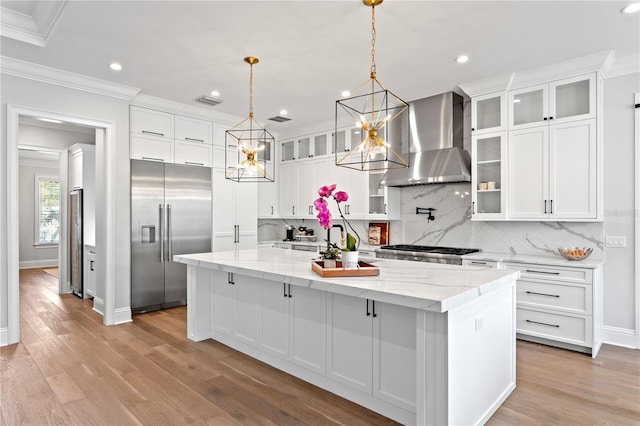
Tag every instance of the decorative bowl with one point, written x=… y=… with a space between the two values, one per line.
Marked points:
x=575 y=253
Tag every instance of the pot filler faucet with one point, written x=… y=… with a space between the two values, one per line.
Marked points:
x=329 y=234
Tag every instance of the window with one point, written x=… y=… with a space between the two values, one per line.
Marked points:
x=47 y=210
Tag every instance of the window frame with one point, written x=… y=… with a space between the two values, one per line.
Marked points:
x=37 y=179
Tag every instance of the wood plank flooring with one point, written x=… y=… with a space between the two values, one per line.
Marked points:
x=70 y=369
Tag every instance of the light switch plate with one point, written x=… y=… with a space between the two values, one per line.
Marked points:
x=614 y=241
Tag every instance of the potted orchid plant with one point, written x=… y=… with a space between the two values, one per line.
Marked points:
x=350 y=249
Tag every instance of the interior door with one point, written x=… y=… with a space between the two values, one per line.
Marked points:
x=188 y=219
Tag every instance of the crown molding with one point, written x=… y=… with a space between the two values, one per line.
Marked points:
x=34 y=29
x=566 y=69
x=488 y=85
x=31 y=71
x=623 y=66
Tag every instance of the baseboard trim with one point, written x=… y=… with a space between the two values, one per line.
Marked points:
x=4 y=336
x=98 y=305
x=46 y=263
x=122 y=315
x=617 y=336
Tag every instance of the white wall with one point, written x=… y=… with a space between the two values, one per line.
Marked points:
x=30 y=255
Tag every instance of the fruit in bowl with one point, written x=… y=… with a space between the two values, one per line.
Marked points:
x=575 y=253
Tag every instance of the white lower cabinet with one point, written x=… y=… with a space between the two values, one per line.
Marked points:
x=248 y=308
x=559 y=306
x=371 y=346
x=223 y=296
x=307 y=327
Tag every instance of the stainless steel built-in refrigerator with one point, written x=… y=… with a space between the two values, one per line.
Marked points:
x=170 y=214
x=75 y=241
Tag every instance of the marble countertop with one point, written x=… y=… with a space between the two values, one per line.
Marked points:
x=427 y=286
x=320 y=242
x=537 y=260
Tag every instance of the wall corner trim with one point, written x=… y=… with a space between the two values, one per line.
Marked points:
x=4 y=336
x=619 y=337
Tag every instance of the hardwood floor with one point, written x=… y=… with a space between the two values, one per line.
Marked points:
x=70 y=369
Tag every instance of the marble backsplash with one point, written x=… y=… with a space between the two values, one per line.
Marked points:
x=453 y=226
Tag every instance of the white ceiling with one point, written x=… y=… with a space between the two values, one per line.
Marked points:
x=312 y=50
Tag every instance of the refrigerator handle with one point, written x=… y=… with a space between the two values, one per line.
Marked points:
x=170 y=257
x=160 y=229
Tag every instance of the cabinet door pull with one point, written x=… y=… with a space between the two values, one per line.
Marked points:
x=293 y=208
x=152 y=133
x=473 y=207
x=533 y=271
x=544 y=323
x=551 y=207
x=271 y=209
x=189 y=163
x=551 y=118
x=289 y=285
x=91 y=265
x=368 y=313
x=194 y=140
x=542 y=294
x=152 y=159
x=545 y=118
x=545 y=206
x=385 y=208
x=373 y=303
x=284 y=290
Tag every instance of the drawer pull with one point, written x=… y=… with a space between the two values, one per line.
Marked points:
x=544 y=323
x=152 y=159
x=194 y=140
x=542 y=272
x=189 y=163
x=478 y=263
x=152 y=133
x=543 y=294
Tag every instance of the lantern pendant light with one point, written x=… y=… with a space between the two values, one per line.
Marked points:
x=383 y=119
x=249 y=146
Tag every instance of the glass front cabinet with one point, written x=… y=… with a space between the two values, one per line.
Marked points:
x=488 y=177
x=489 y=113
x=559 y=101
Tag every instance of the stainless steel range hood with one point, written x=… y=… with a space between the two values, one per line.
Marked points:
x=436 y=154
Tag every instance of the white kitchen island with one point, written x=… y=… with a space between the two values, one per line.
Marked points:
x=420 y=343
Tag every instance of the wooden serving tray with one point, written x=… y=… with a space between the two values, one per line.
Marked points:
x=364 y=270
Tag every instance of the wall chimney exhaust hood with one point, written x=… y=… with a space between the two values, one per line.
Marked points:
x=437 y=154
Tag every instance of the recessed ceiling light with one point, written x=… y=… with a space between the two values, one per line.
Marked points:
x=633 y=7
x=283 y=112
x=345 y=93
x=115 y=66
x=215 y=93
x=462 y=59
x=50 y=120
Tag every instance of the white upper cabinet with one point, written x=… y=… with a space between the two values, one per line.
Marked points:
x=193 y=130
x=559 y=101
x=489 y=113
x=151 y=122
x=488 y=176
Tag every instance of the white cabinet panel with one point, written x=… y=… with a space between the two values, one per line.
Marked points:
x=287 y=190
x=350 y=341
x=223 y=301
x=275 y=318
x=268 y=199
x=235 y=221
x=488 y=113
x=528 y=173
x=248 y=305
x=192 y=154
x=307 y=328
x=394 y=354
x=573 y=170
x=151 y=122
x=151 y=148
x=489 y=168
x=193 y=130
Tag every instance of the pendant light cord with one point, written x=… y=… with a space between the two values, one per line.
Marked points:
x=251 y=90
x=373 y=42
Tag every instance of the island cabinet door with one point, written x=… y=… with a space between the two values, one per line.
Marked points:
x=394 y=354
x=308 y=328
x=223 y=302
x=275 y=318
x=248 y=308
x=350 y=341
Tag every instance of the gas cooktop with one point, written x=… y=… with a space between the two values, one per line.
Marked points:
x=430 y=249
x=433 y=254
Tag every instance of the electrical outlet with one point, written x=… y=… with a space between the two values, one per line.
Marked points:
x=479 y=322
x=613 y=241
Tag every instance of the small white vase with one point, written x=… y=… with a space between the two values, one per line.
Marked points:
x=329 y=263
x=350 y=259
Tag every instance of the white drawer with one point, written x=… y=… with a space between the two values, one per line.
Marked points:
x=193 y=130
x=488 y=263
x=151 y=122
x=576 y=298
x=192 y=154
x=571 y=329
x=556 y=273
x=151 y=148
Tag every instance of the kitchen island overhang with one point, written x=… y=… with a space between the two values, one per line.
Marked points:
x=464 y=320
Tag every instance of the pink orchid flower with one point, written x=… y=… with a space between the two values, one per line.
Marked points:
x=326 y=191
x=341 y=196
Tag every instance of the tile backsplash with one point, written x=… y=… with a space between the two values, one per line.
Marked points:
x=452 y=226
